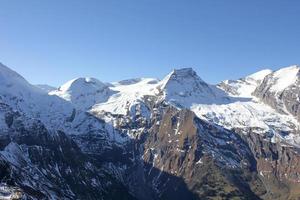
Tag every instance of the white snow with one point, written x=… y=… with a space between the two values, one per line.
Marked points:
x=83 y=92
x=246 y=115
x=128 y=96
x=259 y=76
x=184 y=87
x=16 y=92
x=245 y=87
x=284 y=78
x=181 y=88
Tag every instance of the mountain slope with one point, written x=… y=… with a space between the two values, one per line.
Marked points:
x=244 y=87
x=150 y=139
x=83 y=92
x=22 y=96
x=128 y=96
x=36 y=163
x=245 y=111
x=280 y=90
x=184 y=87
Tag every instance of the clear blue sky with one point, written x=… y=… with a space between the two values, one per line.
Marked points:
x=52 y=41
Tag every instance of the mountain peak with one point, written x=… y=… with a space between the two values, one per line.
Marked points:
x=259 y=76
x=76 y=84
x=83 y=92
x=244 y=87
x=8 y=75
x=280 y=90
x=290 y=70
x=20 y=95
x=184 y=87
x=183 y=73
x=14 y=84
x=283 y=78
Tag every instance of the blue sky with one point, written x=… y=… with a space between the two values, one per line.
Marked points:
x=52 y=41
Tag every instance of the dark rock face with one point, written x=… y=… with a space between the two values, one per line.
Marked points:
x=210 y=162
x=45 y=165
x=169 y=155
x=176 y=156
x=285 y=100
x=291 y=100
x=278 y=167
x=183 y=156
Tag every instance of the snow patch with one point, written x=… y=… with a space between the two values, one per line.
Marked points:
x=284 y=78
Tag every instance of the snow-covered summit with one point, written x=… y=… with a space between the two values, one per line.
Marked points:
x=281 y=90
x=80 y=84
x=83 y=92
x=231 y=104
x=127 y=96
x=184 y=87
x=283 y=78
x=244 y=87
x=248 y=111
x=21 y=96
x=13 y=83
x=258 y=76
x=180 y=76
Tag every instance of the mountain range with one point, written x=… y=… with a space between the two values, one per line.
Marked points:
x=150 y=139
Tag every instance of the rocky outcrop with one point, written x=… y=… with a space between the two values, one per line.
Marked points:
x=143 y=141
x=38 y=164
x=281 y=90
x=243 y=87
x=211 y=162
x=180 y=156
x=277 y=166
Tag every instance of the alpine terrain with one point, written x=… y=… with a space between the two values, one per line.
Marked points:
x=149 y=139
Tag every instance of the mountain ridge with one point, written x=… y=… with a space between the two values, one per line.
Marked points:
x=138 y=138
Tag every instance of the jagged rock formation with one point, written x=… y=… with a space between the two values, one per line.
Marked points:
x=244 y=86
x=280 y=90
x=178 y=138
x=278 y=167
x=49 y=165
x=184 y=146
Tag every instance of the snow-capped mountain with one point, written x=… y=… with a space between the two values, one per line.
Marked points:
x=149 y=139
x=244 y=87
x=247 y=111
x=83 y=92
x=184 y=87
x=280 y=90
x=282 y=79
x=127 y=95
x=36 y=103
x=181 y=87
